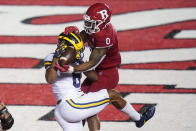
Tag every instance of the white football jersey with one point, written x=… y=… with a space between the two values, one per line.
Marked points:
x=65 y=85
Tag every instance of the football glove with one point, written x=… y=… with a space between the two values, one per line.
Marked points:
x=64 y=68
x=71 y=29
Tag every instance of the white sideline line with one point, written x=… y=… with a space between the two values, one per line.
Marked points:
x=186 y=34
x=183 y=79
x=130 y=57
x=22 y=75
x=127 y=21
x=162 y=55
x=26 y=50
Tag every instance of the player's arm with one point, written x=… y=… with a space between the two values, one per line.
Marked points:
x=70 y=29
x=84 y=36
x=91 y=75
x=50 y=74
x=66 y=58
x=96 y=56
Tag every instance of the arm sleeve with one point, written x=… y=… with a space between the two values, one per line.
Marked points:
x=48 y=60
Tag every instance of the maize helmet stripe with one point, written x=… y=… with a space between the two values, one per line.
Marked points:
x=70 y=36
x=77 y=46
x=69 y=40
x=61 y=36
x=76 y=37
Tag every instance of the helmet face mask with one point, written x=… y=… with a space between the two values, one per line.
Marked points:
x=96 y=18
x=91 y=26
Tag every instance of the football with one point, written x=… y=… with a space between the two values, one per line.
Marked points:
x=67 y=56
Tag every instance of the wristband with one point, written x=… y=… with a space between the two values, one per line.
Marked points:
x=70 y=69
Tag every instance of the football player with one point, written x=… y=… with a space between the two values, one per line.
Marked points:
x=73 y=105
x=104 y=58
x=6 y=119
x=67 y=85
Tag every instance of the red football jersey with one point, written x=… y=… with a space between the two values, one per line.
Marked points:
x=106 y=38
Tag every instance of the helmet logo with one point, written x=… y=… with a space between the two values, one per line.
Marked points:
x=104 y=14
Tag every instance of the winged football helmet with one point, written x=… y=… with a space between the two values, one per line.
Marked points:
x=72 y=40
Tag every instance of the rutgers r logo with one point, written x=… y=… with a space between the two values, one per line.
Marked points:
x=104 y=14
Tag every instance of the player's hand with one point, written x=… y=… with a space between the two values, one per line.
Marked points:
x=71 y=29
x=6 y=119
x=64 y=68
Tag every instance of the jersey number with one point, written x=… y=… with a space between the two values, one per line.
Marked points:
x=76 y=79
x=107 y=41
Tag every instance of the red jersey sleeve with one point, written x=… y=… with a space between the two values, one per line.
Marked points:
x=107 y=38
x=102 y=41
